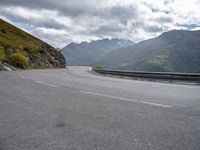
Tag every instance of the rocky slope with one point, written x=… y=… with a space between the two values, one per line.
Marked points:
x=38 y=53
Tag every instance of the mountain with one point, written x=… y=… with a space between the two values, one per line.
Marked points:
x=26 y=51
x=87 y=53
x=173 y=51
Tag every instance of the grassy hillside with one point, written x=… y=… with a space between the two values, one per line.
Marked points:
x=174 y=51
x=17 y=45
x=12 y=37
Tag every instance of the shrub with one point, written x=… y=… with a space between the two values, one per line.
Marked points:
x=28 y=50
x=99 y=67
x=2 y=53
x=19 y=60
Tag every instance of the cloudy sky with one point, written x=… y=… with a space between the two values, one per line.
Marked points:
x=59 y=22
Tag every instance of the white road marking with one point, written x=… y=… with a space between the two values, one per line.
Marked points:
x=48 y=84
x=126 y=99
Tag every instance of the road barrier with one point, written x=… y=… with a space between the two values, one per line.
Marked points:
x=9 y=66
x=187 y=77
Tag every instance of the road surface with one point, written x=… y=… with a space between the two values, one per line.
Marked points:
x=72 y=109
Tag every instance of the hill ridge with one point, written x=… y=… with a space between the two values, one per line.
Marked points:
x=87 y=53
x=173 y=51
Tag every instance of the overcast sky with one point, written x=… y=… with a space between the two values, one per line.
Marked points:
x=59 y=22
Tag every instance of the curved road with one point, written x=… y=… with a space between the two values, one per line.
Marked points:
x=73 y=109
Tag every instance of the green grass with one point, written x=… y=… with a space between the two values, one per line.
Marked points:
x=13 y=37
x=162 y=62
x=2 y=53
x=100 y=67
x=2 y=68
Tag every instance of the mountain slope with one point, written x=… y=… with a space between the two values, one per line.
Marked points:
x=16 y=44
x=173 y=51
x=88 y=53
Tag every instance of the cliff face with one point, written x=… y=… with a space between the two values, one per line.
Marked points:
x=37 y=53
x=48 y=57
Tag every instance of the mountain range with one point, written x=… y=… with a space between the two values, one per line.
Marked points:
x=23 y=50
x=173 y=51
x=88 y=53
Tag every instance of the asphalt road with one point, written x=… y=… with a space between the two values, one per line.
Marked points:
x=77 y=110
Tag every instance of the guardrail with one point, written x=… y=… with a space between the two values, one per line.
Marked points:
x=7 y=66
x=187 y=77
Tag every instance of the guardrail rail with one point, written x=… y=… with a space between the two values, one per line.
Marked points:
x=169 y=76
x=7 y=66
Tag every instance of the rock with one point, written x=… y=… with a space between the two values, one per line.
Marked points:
x=9 y=50
x=49 y=57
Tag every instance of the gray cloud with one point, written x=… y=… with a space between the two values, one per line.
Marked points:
x=106 y=30
x=164 y=19
x=123 y=14
x=37 y=22
x=153 y=28
x=65 y=7
x=59 y=22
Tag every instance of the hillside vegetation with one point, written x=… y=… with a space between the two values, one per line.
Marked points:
x=173 y=51
x=24 y=50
